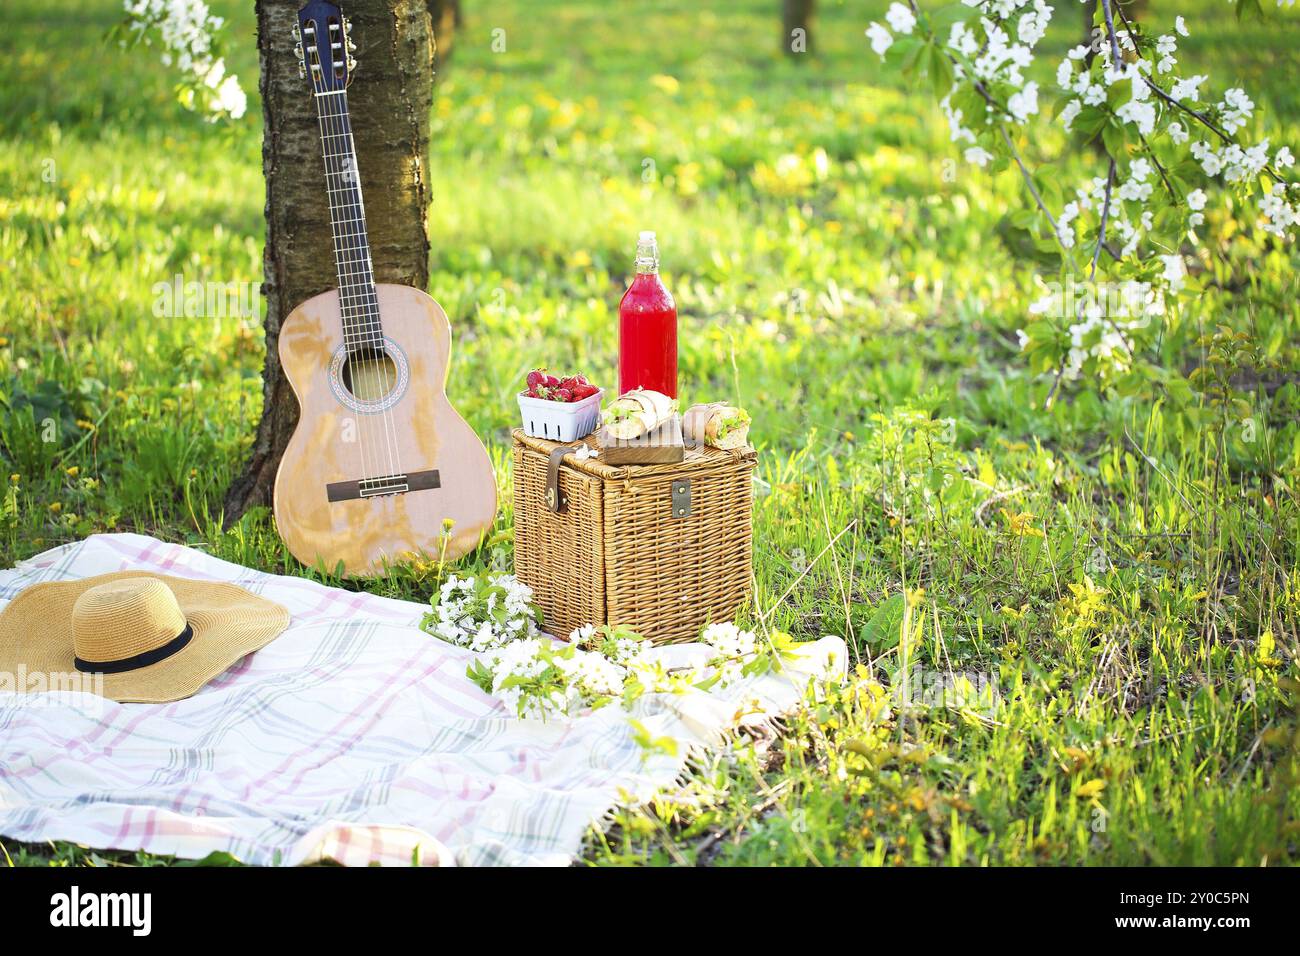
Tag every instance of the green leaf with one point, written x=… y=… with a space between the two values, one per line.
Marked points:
x=940 y=72
x=885 y=624
x=941 y=20
x=1249 y=8
x=1112 y=136
x=1090 y=121
x=909 y=51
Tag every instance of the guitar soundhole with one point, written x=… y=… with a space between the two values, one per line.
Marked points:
x=369 y=375
x=369 y=380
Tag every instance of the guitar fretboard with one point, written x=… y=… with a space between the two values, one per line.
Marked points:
x=357 y=298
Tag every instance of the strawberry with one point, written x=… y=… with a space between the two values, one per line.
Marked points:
x=571 y=388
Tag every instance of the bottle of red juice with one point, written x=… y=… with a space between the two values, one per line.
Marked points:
x=647 y=327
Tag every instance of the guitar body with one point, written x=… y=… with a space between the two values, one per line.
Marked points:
x=379 y=458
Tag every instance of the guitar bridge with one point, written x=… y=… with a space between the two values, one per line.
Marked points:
x=381 y=485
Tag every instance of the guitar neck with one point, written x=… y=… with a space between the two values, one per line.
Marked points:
x=358 y=301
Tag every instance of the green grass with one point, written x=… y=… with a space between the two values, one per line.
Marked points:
x=864 y=313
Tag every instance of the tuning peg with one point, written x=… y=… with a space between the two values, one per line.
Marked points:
x=352 y=64
x=351 y=46
x=302 y=69
x=297 y=33
x=297 y=51
x=347 y=25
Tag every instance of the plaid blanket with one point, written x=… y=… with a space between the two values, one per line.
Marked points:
x=354 y=736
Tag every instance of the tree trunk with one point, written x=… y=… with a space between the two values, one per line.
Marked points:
x=390 y=99
x=446 y=18
x=796 y=26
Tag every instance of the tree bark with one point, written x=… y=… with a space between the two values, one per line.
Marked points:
x=1133 y=9
x=445 y=15
x=796 y=27
x=390 y=100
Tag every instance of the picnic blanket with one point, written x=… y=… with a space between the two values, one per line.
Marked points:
x=354 y=736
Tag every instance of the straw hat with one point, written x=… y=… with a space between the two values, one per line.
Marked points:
x=153 y=638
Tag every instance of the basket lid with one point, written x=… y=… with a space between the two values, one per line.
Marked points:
x=698 y=456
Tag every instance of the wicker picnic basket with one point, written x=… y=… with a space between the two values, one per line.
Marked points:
x=664 y=549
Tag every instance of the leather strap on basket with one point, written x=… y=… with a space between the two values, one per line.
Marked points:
x=554 y=499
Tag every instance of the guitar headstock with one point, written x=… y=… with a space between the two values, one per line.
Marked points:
x=324 y=47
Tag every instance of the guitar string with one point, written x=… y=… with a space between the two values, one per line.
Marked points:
x=325 y=124
x=358 y=255
x=369 y=292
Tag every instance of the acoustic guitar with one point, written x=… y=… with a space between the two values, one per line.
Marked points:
x=380 y=466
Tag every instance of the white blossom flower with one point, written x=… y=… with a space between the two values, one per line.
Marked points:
x=1064 y=73
x=1033 y=25
x=900 y=18
x=581 y=635
x=1188 y=89
x=1064 y=231
x=1207 y=157
x=1136 y=188
x=962 y=39
x=1070 y=113
x=956 y=132
x=1236 y=109
x=185 y=31
x=1141 y=114
x=881 y=39
x=1196 y=200
x=1024 y=104
x=481 y=614
x=231 y=97
x=1175 y=272
x=1279 y=215
x=997 y=48
x=1166 y=46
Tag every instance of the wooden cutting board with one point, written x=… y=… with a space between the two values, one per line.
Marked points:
x=663 y=446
